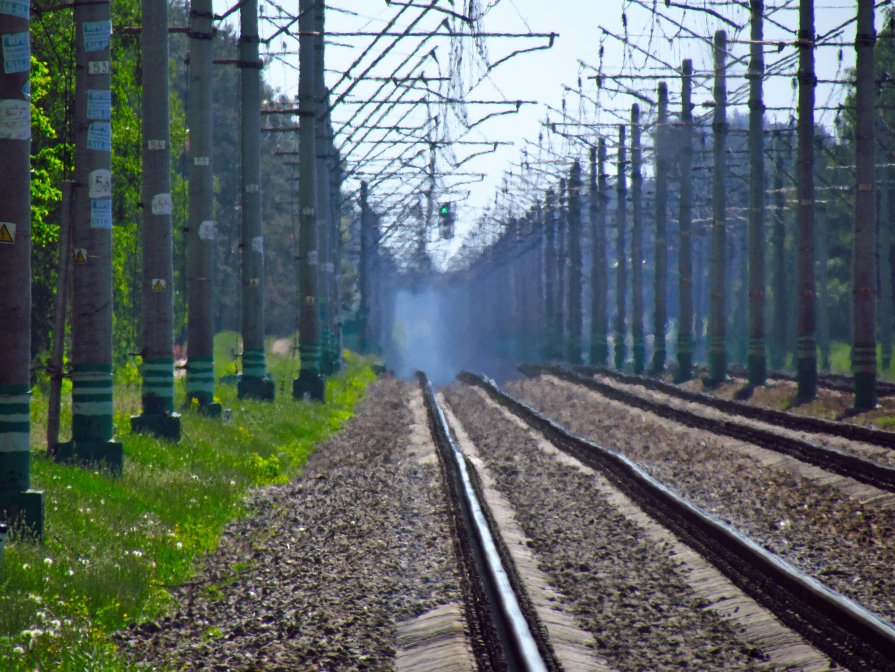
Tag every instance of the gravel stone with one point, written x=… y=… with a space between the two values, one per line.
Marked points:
x=620 y=586
x=847 y=544
x=318 y=577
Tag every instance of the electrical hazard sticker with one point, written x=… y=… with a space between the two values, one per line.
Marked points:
x=258 y=244
x=159 y=285
x=80 y=255
x=7 y=233
x=254 y=283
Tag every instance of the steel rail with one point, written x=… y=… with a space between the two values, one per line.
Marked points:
x=792 y=421
x=848 y=633
x=831 y=459
x=520 y=648
x=839 y=382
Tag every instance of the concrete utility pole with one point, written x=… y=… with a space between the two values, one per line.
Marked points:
x=551 y=347
x=91 y=323
x=562 y=274
x=364 y=280
x=757 y=360
x=864 y=245
x=660 y=284
x=718 y=257
x=685 y=224
x=18 y=502
x=823 y=286
x=637 y=242
x=806 y=355
x=621 y=223
x=778 y=340
x=884 y=223
x=328 y=215
x=310 y=383
x=599 y=347
x=158 y=416
x=200 y=238
x=574 y=315
x=254 y=383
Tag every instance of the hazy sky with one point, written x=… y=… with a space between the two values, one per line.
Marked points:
x=541 y=75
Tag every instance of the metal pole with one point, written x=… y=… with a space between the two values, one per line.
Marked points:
x=660 y=285
x=637 y=242
x=621 y=223
x=864 y=245
x=310 y=383
x=158 y=416
x=806 y=355
x=718 y=257
x=18 y=503
x=91 y=319
x=757 y=359
x=884 y=224
x=254 y=383
x=823 y=285
x=685 y=224
x=200 y=238
x=364 y=270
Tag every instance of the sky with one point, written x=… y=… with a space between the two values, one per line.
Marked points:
x=541 y=76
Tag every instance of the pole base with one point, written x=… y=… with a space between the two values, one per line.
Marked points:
x=309 y=386
x=758 y=370
x=23 y=508
x=252 y=387
x=109 y=454
x=865 y=390
x=160 y=425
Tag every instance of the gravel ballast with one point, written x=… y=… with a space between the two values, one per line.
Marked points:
x=621 y=586
x=846 y=541
x=318 y=577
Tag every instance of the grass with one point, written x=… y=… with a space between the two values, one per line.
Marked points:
x=113 y=545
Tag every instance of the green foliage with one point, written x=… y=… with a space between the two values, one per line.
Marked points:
x=114 y=546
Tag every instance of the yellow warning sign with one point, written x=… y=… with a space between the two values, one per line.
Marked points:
x=7 y=233
x=159 y=285
x=80 y=254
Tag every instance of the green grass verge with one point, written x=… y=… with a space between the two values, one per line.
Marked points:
x=113 y=546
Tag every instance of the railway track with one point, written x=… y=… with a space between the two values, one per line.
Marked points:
x=831 y=459
x=498 y=611
x=799 y=423
x=837 y=382
x=847 y=633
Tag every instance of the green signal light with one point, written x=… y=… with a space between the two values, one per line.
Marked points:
x=445 y=209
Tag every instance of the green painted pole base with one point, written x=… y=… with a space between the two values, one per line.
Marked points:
x=620 y=353
x=309 y=386
x=599 y=352
x=639 y=355
x=25 y=509
x=160 y=425
x=252 y=387
x=717 y=369
x=109 y=454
